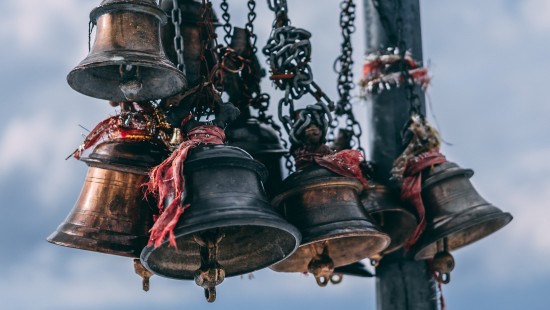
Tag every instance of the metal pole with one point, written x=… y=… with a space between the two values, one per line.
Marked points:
x=402 y=283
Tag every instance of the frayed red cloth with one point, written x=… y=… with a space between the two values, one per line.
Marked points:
x=412 y=188
x=345 y=163
x=167 y=181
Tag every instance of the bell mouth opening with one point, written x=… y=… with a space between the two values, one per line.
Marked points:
x=342 y=249
x=244 y=249
x=463 y=235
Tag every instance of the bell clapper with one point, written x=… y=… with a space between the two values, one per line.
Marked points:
x=130 y=84
x=336 y=278
x=321 y=266
x=375 y=260
x=443 y=263
x=210 y=273
x=143 y=273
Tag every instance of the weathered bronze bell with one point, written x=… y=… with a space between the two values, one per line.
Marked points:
x=262 y=142
x=127 y=61
x=456 y=214
x=111 y=215
x=335 y=229
x=229 y=228
x=390 y=214
x=191 y=29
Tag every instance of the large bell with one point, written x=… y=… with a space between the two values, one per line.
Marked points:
x=229 y=229
x=335 y=229
x=262 y=142
x=390 y=214
x=191 y=29
x=127 y=61
x=456 y=214
x=111 y=215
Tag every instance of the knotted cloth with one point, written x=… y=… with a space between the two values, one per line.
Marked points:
x=167 y=181
x=411 y=189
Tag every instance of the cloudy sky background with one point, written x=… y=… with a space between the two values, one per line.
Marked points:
x=489 y=93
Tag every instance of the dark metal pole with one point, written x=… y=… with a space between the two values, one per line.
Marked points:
x=402 y=283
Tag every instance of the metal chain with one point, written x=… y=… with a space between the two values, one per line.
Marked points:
x=250 y=24
x=227 y=27
x=343 y=65
x=277 y=6
x=178 y=38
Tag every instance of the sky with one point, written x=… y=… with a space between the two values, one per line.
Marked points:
x=488 y=60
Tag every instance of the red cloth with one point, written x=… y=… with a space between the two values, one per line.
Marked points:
x=345 y=163
x=412 y=188
x=167 y=181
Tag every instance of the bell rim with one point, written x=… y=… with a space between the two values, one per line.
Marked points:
x=401 y=243
x=280 y=224
x=142 y=60
x=125 y=5
x=424 y=245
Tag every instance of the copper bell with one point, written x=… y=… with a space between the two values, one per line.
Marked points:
x=335 y=229
x=390 y=214
x=456 y=214
x=262 y=142
x=229 y=229
x=111 y=215
x=127 y=61
x=191 y=29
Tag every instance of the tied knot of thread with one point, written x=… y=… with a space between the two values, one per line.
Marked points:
x=345 y=163
x=411 y=189
x=167 y=183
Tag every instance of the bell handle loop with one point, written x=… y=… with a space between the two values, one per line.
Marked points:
x=336 y=278
x=210 y=294
x=322 y=281
x=374 y=262
x=444 y=278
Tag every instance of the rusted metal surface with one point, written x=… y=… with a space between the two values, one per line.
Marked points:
x=326 y=208
x=224 y=188
x=111 y=214
x=127 y=61
x=455 y=211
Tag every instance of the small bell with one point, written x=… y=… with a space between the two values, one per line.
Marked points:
x=127 y=61
x=455 y=212
x=111 y=215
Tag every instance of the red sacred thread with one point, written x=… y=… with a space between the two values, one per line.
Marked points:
x=167 y=181
x=412 y=188
x=346 y=162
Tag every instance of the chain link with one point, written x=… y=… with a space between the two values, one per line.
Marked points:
x=178 y=38
x=277 y=6
x=227 y=27
x=250 y=24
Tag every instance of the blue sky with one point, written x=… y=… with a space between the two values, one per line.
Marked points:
x=489 y=93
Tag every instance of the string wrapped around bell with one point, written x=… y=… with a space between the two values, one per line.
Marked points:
x=215 y=219
x=127 y=61
x=451 y=213
x=111 y=214
x=322 y=199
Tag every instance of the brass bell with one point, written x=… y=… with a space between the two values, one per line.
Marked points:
x=390 y=214
x=111 y=215
x=229 y=228
x=127 y=61
x=262 y=142
x=456 y=214
x=336 y=230
x=192 y=31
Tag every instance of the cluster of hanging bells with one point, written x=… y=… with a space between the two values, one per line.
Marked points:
x=318 y=222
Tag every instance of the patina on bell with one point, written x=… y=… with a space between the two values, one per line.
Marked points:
x=111 y=214
x=193 y=32
x=127 y=61
x=229 y=228
x=456 y=214
x=336 y=230
x=390 y=214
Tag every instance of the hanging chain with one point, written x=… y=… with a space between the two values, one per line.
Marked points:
x=250 y=24
x=178 y=38
x=343 y=65
x=227 y=27
x=277 y=6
